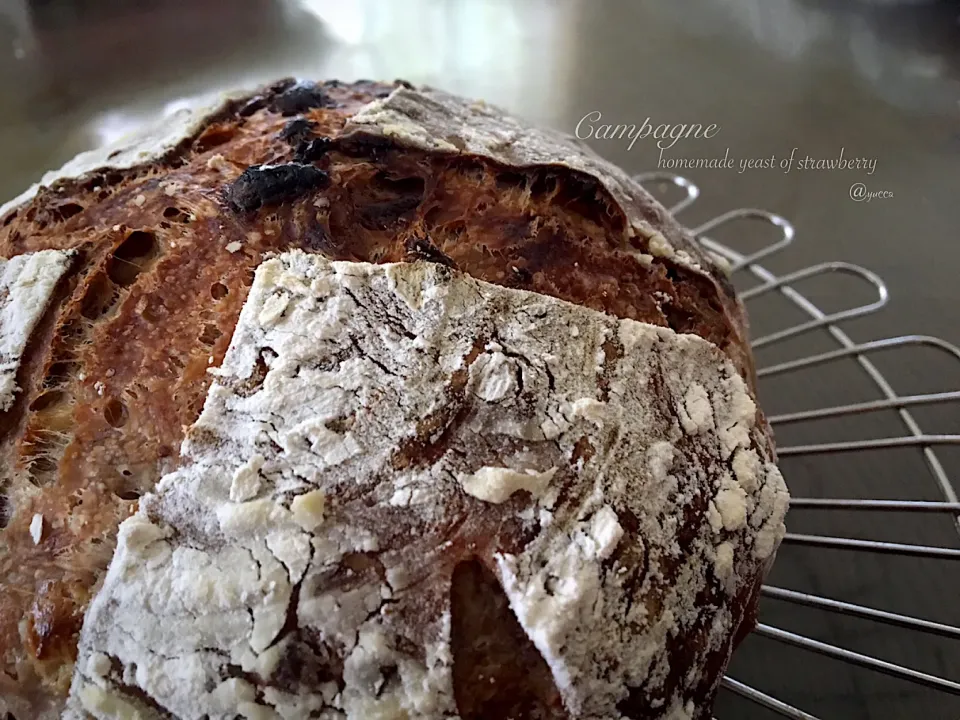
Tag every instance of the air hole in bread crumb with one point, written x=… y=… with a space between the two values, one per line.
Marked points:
x=175 y=213
x=508 y=180
x=543 y=184
x=93 y=183
x=196 y=407
x=219 y=291
x=151 y=312
x=115 y=413
x=6 y=508
x=47 y=399
x=66 y=211
x=10 y=218
x=469 y=167
x=209 y=335
x=585 y=196
x=214 y=136
x=126 y=472
x=431 y=218
x=58 y=374
x=128 y=494
x=100 y=297
x=132 y=256
x=41 y=468
x=390 y=199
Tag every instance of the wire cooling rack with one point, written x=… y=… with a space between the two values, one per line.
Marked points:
x=912 y=437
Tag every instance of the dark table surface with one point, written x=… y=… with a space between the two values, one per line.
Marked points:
x=879 y=80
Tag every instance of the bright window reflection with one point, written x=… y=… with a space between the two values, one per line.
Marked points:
x=514 y=54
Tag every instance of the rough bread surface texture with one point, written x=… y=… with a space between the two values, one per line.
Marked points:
x=484 y=443
x=383 y=440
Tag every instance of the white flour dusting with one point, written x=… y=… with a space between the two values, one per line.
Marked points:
x=356 y=437
x=27 y=283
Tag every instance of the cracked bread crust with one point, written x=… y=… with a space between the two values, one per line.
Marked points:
x=166 y=233
x=397 y=465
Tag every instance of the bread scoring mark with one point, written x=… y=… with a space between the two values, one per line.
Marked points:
x=504 y=676
x=286 y=545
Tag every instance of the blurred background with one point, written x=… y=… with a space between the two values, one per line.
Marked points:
x=878 y=78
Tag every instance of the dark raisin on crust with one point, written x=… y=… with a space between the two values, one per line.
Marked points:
x=265 y=185
x=310 y=151
x=300 y=97
x=297 y=131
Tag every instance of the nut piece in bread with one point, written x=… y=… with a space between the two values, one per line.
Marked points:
x=484 y=443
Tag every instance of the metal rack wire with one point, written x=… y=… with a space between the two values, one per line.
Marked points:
x=913 y=436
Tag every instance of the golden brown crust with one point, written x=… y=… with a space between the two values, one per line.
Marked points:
x=117 y=368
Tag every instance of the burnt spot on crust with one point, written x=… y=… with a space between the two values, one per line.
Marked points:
x=312 y=150
x=308 y=148
x=300 y=97
x=265 y=185
x=420 y=248
x=297 y=131
x=251 y=106
x=281 y=86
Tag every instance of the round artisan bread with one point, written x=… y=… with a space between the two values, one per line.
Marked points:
x=403 y=408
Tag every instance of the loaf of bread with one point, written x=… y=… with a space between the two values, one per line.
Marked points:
x=368 y=401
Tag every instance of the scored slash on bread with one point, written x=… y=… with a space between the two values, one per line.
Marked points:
x=165 y=232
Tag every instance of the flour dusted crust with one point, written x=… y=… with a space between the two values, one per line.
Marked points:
x=164 y=231
x=150 y=143
x=211 y=598
x=27 y=284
